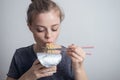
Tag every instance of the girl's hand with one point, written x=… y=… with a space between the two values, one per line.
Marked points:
x=38 y=71
x=77 y=55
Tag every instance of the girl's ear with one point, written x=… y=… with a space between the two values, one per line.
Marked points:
x=30 y=27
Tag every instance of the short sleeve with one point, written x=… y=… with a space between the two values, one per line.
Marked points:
x=13 y=69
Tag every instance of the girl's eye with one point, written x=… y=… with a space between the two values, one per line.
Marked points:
x=40 y=29
x=55 y=29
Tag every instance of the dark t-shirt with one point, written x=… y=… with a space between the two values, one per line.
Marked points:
x=24 y=58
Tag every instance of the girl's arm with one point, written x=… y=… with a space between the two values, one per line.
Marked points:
x=9 y=78
x=77 y=56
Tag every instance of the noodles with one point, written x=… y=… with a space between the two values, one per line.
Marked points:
x=49 y=47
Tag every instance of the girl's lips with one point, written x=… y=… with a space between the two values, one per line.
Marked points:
x=49 y=41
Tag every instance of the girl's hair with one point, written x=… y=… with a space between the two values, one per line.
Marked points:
x=41 y=6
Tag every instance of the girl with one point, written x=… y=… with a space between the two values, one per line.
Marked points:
x=44 y=18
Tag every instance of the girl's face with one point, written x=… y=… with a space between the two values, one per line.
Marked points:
x=46 y=27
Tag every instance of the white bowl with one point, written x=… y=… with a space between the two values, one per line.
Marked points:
x=49 y=59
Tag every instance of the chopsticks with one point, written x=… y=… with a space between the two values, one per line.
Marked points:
x=65 y=49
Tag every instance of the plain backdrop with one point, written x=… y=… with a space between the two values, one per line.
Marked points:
x=87 y=22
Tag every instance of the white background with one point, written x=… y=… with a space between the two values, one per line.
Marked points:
x=87 y=22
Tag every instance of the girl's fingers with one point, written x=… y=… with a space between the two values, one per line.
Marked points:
x=36 y=62
x=72 y=46
x=37 y=65
x=46 y=74
x=47 y=71
x=40 y=71
x=43 y=72
x=79 y=52
x=51 y=69
x=75 y=56
x=76 y=52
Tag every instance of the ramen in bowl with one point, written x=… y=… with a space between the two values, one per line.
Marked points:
x=49 y=57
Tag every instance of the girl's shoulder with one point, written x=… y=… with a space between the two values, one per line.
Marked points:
x=24 y=51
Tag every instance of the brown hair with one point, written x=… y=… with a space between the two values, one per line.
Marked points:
x=41 y=6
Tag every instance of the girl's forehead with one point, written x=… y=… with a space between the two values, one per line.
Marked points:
x=48 y=17
x=50 y=14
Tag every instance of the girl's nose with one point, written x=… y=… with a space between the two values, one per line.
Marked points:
x=48 y=35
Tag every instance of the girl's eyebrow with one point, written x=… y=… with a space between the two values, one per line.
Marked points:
x=39 y=26
x=44 y=26
x=55 y=24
